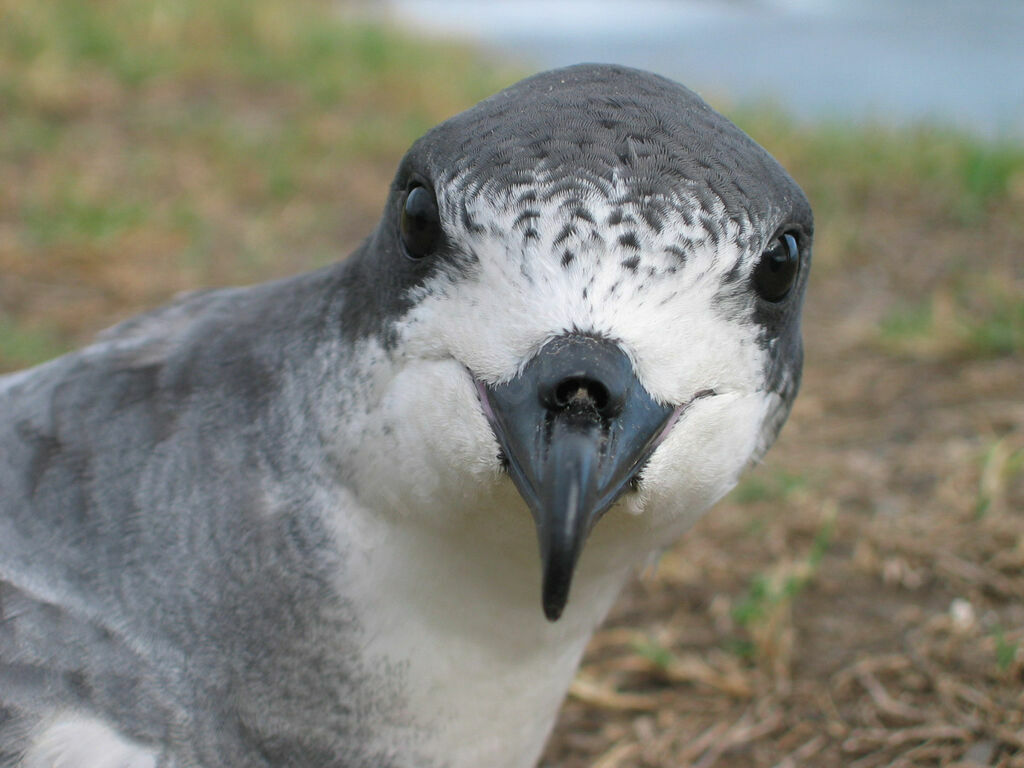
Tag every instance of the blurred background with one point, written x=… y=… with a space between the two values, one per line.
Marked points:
x=893 y=61
x=859 y=599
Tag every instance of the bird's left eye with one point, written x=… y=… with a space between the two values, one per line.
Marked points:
x=776 y=272
x=420 y=224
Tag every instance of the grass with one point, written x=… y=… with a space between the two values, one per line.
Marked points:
x=1006 y=651
x=763 y=612
x=980 y=318
x=1001 y=463
x=775 y=486
x=763 y=615
x=24 y=345
x=955 y=177
x=148 y=146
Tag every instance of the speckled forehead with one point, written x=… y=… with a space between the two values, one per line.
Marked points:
x=630 y=145
x=641 y=192
x=572 y=213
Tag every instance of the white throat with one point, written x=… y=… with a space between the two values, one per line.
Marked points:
x=464 y=628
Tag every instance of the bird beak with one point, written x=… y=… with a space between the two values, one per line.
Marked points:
x=576 y=427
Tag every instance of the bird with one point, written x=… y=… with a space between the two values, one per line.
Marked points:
x=369 y=516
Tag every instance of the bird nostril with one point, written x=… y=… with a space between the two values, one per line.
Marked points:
x=579 y=392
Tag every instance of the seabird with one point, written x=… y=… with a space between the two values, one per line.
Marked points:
x=297 y=524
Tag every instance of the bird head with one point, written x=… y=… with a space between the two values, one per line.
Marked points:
x=587 y=287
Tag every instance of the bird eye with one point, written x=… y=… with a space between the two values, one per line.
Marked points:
x=776 y=272
x=420 y=223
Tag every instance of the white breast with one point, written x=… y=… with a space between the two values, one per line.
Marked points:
x=72 y=741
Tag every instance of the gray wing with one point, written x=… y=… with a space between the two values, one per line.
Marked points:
x=163 y=323
x=76 y=437
x=52 y=660
x=164 y=565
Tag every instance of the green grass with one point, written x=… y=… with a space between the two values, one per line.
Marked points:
x=999 y=329
x=764 y=611
x=1005 y=650
x=983 y=319
x=22 y=345
x=70 y=217
x=907 y=323
x=957 y=177
x=656 y=653
x=769 y=487
x=999 y=464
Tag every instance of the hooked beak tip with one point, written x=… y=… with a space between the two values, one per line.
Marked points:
x=554 y=604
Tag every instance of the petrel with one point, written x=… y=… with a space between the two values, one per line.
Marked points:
x=368 y=517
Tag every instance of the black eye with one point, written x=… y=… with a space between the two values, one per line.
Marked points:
x=421 y=223
x=776 y=272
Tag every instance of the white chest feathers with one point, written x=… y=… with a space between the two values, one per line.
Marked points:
x=71 y=741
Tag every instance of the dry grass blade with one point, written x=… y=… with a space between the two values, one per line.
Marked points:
x=702 y=743
x=865 y=739
x=690 y=669
x=1014 y=739
x=886 y=703
x=981 y=576
x=799 y=757
x=599 y=694
x=742 y=732
x=618 y=756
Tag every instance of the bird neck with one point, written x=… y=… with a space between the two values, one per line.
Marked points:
x=484 y=672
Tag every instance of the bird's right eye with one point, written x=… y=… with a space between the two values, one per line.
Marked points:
x=420 y=224
x=776 y=272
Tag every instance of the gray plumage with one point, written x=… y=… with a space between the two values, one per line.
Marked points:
x=183 y=555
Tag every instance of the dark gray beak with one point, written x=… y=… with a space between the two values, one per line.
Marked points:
x=576 y=427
